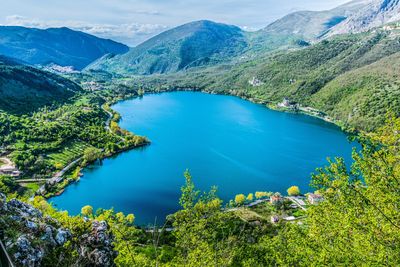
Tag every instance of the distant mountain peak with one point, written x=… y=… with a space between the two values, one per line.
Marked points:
x=60 y=46
x=375 y=14
x=193 y=44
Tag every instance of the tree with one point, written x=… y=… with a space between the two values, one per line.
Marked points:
x=358 y=221
x=262 y=194
x=250 y=197
x=7 y=184
x=91 y=154
x=240 y=199
x=189 y=194
x=87 y=211
x=293 y=191
x=58 y=166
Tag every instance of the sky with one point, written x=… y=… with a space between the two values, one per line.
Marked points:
x=133 y=21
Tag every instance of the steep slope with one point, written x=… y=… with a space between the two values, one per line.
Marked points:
x=194 y=44
x=375 y=14
x=24 y=89
x=312 y=24
x=61 y=46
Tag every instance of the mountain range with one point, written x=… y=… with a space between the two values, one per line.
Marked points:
x=301 y=47
x=60 y=46
x=206 y=43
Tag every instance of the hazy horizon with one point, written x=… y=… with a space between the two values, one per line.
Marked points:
x=133 y=21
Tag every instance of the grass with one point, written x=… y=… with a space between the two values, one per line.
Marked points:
x=248 y=215
x=68 y=153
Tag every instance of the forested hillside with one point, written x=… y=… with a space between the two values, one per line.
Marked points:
x=24 y=89
x=348 y=77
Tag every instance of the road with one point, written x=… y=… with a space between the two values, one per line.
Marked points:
x=58 y=177
x=108 y=121
x=296 y=201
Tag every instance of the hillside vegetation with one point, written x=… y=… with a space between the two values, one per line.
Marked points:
x=345 y=77
x=194 y=44
x=25 y=89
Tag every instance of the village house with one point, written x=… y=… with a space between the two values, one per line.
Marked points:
x=255 y=82
x=10 y=171
x=286 y=103
x=8 y=168
x=276 y=199
x=315 y=199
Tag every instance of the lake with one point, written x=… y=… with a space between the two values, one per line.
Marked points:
x=225 y=141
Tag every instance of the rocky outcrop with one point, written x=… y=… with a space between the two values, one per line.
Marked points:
x=96 y=247
x=29 y=235
x=35 y=239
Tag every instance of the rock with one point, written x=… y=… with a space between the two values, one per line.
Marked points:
x=97 y=246
x=25 y=254
x=31 y=225
x=3 y=201
x=62 y=236
x=48 y=235
x=23 y=209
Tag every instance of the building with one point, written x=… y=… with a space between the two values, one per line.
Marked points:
x=276 y=199
x=255 y=82
x=315 y=198
x=286 y=103
x=10 y=171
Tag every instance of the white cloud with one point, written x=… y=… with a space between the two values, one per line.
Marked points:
x=129 y=33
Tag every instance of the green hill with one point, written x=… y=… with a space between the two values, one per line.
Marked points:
x=194 y=44
x=24 y=89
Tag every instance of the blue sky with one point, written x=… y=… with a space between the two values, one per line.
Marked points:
x=133 y=21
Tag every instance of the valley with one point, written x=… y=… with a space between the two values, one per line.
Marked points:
x=289 y=136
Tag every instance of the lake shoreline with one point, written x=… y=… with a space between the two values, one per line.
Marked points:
x=263 y=103
x=133 y=122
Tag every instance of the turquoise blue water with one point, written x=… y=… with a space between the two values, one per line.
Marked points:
x=236 y=145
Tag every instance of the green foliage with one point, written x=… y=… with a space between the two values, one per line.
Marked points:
x=87 y=211
x=293 y=191
x=240 y=199
x=25 y=89
x=91 y=154
x=189 y=194
x=7 y=184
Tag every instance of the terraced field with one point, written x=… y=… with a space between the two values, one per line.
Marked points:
x=68 y=154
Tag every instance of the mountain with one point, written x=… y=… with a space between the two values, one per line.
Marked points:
x=194 y=44
x=312 y=24
x=352 y=78
x=375 y=14
x=24 y=88
x=61 y=46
